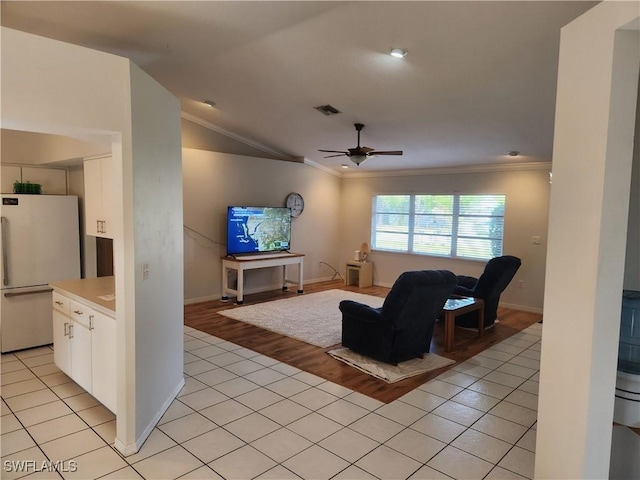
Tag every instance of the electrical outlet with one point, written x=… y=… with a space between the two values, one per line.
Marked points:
x=145 y=271
x=520 y=283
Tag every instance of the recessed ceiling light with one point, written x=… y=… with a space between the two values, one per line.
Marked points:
x=211 y=103
x=344 y=166
x=514 y=153
x=398 y=52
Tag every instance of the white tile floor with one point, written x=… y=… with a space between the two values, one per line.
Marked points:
x=243 y=415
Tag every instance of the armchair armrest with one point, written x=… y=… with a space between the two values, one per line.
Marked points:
x=463 y=291
x=360 y=311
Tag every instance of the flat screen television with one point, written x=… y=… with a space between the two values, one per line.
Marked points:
x=258 y=229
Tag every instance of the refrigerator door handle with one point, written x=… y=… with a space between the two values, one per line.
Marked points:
x=5 y=266
x=30 y=292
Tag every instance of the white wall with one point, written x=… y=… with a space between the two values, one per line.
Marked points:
x=595 y=116
x=213 y=181
x=526 y=215
x=153 y=227
x=45 y=87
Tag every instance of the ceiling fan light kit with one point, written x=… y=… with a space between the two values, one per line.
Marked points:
x=359 y=154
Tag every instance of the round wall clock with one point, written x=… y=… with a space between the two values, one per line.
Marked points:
x=296 y=203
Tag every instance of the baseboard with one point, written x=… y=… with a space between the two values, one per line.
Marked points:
x=521 y=308
x=249 y=291
x=130 y=449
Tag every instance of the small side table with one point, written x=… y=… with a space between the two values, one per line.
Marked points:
x=457 y=305
x=359 y=273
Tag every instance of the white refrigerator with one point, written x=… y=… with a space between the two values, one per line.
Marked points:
x=40 y=243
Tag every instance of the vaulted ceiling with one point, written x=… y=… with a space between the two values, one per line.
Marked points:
x=479 y=79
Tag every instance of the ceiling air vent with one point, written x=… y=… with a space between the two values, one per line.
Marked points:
x=327 y=110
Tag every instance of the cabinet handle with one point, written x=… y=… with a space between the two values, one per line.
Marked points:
x=91 y=322
x=66 y=329
x=71 y=331
x=78 y=312
x=58 y=302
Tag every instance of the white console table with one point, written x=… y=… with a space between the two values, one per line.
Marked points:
x=249 y=262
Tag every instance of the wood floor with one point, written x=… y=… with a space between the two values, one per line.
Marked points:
x=205 y=317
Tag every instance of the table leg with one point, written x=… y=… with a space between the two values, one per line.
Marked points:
x=300 y=280
x=284 y=278
x=449 y=326
x=240 y=297
x=225 y=284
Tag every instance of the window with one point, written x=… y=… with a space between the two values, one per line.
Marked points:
x=461 y=226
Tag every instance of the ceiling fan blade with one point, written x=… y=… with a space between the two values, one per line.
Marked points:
x=339 y=155
x=334 y=151
x=391 y=152
x=367 y=149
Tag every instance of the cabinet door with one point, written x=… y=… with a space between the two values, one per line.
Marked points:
x=61 y=348
x=103 y=342
x=108 y=196
x=80 y=341
x=93 y=197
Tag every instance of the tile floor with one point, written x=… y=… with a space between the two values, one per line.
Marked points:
x=243 y=415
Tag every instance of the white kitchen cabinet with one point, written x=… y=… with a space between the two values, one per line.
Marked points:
x=98 y=197
x=80 y=343
x=52 y=180
x=81 y=355
x=84 y=342
x=61 y=347
x=103 y=366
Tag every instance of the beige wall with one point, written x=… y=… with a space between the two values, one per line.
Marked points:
x=213 y=181
x=526 y=215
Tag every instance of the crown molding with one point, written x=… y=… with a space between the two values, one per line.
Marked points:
x=328 y=170
x=485 y=168
x=247 y=141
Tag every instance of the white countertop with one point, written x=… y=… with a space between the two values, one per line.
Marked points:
x=89 y=290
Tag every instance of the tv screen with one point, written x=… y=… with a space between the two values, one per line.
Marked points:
x=258 y=229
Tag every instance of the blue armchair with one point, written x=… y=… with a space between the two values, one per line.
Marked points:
x=498 y=273
x=402 y=328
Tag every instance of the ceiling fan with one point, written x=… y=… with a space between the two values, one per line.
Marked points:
x=359 y=154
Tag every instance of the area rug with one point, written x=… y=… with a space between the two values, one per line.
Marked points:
x=387 y=372
x=313 y=318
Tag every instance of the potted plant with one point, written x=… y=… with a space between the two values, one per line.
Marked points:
x=27 y=188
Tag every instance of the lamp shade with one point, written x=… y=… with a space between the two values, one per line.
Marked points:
x=357 y=159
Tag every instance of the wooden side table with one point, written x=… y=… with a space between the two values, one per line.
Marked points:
x=359 y=273
x=457 y=306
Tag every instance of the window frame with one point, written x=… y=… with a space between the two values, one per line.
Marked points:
x=455 y=216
